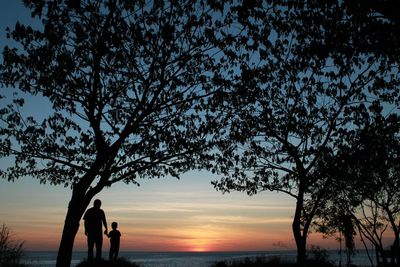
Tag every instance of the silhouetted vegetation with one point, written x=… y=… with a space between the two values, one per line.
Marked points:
x=127 y=83
x=274 y=95
x=11 y=250
x=291 y=107
x=272 y=262
x=379 y=21
x=119 y=263
x=366 y=187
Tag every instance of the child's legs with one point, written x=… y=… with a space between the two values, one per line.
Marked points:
x=116 y=250
x=113 y=255
x=110 y=255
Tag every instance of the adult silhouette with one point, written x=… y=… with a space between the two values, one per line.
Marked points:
x=94 y=219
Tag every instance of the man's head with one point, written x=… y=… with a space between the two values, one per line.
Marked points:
x=97 y=204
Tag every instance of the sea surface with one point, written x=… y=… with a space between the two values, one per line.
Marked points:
x=184 y=259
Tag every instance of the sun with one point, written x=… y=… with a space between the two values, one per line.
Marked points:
x=202 y=239
x=199 y=249
x=199 y=245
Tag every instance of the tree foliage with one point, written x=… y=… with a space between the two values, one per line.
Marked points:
x=303 y=82
x=127 y=82
x=378 y=22
x=366 y=185
x=124 y=81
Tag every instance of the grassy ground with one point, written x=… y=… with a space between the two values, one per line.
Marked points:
x=119 y=263
x=257 y=262
x=271 y=262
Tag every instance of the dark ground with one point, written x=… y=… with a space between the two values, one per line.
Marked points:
x=259 y=262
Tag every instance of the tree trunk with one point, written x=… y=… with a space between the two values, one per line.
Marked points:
x=299 y=235
x=301 y=252
x=395 y=250
x=76 y=208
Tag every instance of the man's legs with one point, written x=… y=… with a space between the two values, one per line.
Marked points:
x=90 y=243
x=99 y=244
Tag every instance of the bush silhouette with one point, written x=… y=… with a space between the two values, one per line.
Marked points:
x=272 y=262
x=11 y=251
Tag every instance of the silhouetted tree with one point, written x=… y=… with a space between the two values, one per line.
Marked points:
x=127 y=82
x=301 y=84
x=339 y=222
x=379 y=25
x=381 y=9
x=367 y=181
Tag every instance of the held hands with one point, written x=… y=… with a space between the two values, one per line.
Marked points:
x=106 y=232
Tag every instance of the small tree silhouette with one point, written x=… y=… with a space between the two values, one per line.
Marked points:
x=11 y=250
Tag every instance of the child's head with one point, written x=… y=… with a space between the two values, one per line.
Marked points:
x=114 y=225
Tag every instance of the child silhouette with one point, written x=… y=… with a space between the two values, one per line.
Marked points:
x=114 y=236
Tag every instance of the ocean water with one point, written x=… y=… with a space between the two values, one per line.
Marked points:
x=183 y=259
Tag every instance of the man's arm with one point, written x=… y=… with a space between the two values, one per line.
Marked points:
x=86 y=223
x=104 y=221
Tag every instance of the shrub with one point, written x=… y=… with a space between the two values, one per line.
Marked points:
x=319 y=258
x=255 y=262
x=11 y=251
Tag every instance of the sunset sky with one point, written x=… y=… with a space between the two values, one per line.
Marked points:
x=160 y=215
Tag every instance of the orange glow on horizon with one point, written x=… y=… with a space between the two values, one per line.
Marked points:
x=184 y=240
x=198 y=249
x=186 y=215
